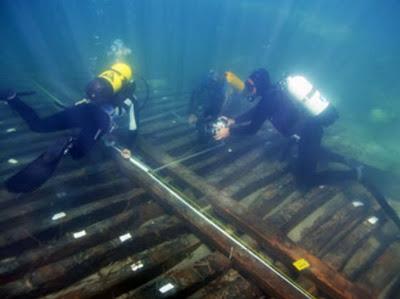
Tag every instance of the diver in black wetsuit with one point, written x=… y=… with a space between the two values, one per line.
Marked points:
x=109 y=96
x=303 y=121
x=206 y=103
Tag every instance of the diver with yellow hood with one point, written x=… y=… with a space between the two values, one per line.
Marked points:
x=109 y=96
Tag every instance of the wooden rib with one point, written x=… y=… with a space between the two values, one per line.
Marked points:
x=385 y=267
x=271 y=195
x=66 y=246
x=118 y=277
x=45 y=228
x=186 y=276
x=370 y=250
x=229 y=285
x=53 y=277
x=340 y=254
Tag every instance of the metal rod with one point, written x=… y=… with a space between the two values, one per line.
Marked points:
x=155 y=170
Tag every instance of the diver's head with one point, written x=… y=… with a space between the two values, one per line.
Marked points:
x=257 y=83
x=99 y=90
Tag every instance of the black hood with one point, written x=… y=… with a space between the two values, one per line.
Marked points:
x=261 y=80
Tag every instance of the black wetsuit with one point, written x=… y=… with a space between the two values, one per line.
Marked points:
x=92 y=120
x=206 y=103
x=289 y=119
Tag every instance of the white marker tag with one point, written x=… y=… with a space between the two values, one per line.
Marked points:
x=80 y=234
x=58 y=216
x=166 y=288
x=137 y=266
x=373 y=220
x=12 y=161
x=357 y=203
x=125 y=237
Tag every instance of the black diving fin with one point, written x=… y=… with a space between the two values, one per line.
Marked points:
x=36 y=173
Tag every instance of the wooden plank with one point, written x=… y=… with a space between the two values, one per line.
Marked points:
x=226 y=157
x=384 y=269
x=46 y=228
x=65 y=245
x=229 y=285
x=117 y=278
x=185 y=277
x=27 y=212
x=340 y=254
x=246 y=164
x=271 y=195
x=362 y=259
x=53 y=277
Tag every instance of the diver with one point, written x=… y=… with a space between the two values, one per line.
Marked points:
x=207 y=101
x=109 y=96
x=299 y=112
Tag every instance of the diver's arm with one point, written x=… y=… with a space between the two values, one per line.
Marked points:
x=246 y=116
x=128 y=135
x=87 y=138
x=257 y=117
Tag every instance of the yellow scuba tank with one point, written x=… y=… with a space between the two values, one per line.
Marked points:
x=116 y=75
x=234 y=81
x=109 y=82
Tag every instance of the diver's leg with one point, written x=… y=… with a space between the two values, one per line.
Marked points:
x=330 y=156
x=71 y=117
x=334 y=176
x=308 y=154
x=95 y=126
x=58 y=121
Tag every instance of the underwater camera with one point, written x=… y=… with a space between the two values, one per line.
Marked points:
x=211 y=129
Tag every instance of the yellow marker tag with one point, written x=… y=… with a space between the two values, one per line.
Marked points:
x=301 y=264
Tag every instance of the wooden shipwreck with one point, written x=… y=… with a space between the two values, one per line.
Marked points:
x=184 y=219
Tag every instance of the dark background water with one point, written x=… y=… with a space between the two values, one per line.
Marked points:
x=349 y=49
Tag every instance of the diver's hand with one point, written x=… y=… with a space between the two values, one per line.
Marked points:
x=222 y=134
x=126 y=154
x=7 y=94
x=230 y=121
x=109 y=140
x=192 y=119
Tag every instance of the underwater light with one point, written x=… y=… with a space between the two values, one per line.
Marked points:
x=136 y=266
x=58 y=216
x=80 y=234
x=166 y=288
x=125 y=237
x=12 y=161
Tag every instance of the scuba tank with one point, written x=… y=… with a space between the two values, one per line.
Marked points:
x=234 y=81
x=109 y=82
x=304 y=93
